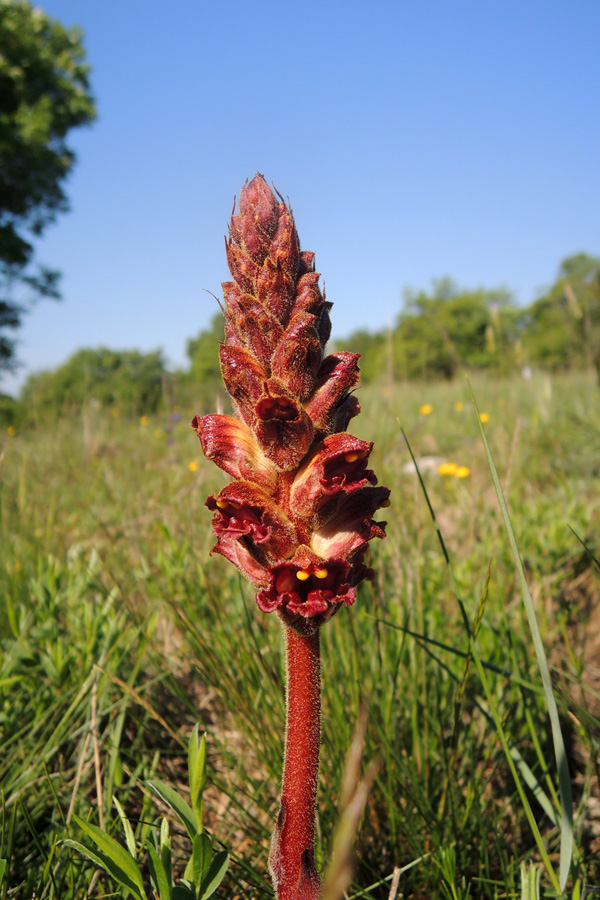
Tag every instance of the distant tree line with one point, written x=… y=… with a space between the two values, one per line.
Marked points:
x=126 y=379
x=436 y=335
x=440 y=333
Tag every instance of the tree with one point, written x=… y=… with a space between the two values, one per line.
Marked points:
x=44 y=93
x=372 y=347
x=439 y=334
x=563 y=326
x=127 y=379
x=202 y=383
x=203 y=352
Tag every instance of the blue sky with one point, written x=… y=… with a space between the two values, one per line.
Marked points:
x=414 y=140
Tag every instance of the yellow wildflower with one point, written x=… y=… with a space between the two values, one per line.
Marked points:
x=484 y=417
x=11 y=429
x=193 y=466
x=462 y=472
x=426 y=409
x=448 y=468
x=144 y=420
x=458 y=406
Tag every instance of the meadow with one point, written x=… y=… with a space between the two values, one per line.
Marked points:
x=118 y=633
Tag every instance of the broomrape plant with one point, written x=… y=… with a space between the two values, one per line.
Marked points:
x=298 y=516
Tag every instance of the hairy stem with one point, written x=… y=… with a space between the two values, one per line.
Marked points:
x=291 y=860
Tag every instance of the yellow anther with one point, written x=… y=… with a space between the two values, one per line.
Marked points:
x=356 y=454
x=222 y=503
x=320 y=573
x=302 y=575
x=235 y=505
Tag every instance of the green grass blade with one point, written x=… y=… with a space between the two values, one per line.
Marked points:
x=129 y=837
x=585 y=547
x=502 y=735
x=183 y=892
x=528 y=776
x=564 y=779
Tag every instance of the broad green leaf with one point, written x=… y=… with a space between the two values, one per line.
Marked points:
x=161 y=881
x=114 y=852
x=215 y=875
x=48 y=867
x=200 y=860
x=177 y=804
x=111 y=867
x=126 y=828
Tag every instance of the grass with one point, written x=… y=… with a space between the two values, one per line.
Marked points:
x=118 y=633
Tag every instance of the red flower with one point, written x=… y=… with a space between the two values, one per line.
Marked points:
x=306 y=591
x=336 y=466
x=245 y=512
x=299 y=515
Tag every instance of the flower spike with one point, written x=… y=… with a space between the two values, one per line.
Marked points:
x=293 y=404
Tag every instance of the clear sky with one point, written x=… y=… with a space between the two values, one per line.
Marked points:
x=414 y=140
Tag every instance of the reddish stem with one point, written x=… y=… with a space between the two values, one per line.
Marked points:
x=292 y=857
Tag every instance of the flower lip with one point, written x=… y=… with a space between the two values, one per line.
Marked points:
x=348 y=467
x=308 y=587
x=337 y=467
x=277 y=408
x=237 y=552
x=238 y=518
x=328 y=407
x=243 y=511
x=234 y=448
x=351 y=526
